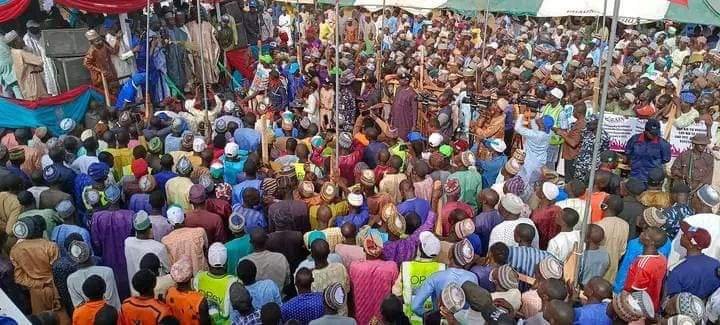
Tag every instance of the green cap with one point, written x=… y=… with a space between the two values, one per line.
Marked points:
x=446 y=150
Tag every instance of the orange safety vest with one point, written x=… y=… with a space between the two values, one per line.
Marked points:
x=142 y=310
x=185 y=305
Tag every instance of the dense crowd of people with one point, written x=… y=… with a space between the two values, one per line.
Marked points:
x=450 y=186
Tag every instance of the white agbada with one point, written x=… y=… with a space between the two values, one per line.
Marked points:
x=136 y=249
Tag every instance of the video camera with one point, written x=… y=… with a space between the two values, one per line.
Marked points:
x=477 y=101
x=427 y=98
x=531 y=102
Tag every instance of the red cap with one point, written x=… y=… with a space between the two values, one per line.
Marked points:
x=698 y=237
x=461 y=145
x=139 y=168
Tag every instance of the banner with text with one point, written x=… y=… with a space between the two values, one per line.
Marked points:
x=621 y=128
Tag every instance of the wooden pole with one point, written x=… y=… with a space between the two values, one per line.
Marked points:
x=106 y=89
x=337 y=83
x=148 y=102
x=202 y=65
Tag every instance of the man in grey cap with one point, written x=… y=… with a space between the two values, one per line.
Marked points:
x=80 y=253
x=335 y=298
x=143 y=243
x=27 y=67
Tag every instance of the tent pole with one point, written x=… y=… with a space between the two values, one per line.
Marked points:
x=337 y=83
x=202 y=65
x=485 y=37
x=604 y=17
x=148 y=109
x=598 y=134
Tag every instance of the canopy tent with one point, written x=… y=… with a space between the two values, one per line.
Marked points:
x=11 y=9
x=706 y=12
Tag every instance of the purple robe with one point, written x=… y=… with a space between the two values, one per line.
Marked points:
x=109 y=230
x=404 y=111
x=484 y=223
x=403 y=250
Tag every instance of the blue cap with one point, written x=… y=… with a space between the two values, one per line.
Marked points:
x=688 y=97
x=294 y=67
x=415 y=136
x=548 y=122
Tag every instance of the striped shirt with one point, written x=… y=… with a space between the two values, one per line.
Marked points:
x=524 y=259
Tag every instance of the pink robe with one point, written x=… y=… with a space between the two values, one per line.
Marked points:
x=371 y=282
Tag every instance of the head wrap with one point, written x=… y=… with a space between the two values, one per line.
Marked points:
x=334 y=296
x=139 y=168
x=16 y=153
x=91 y=197
x=690 y=305
x=429 y=244
x=199 y=145
x=175 y=215
x=550 y=191
x=181 y=271
x=345 y=140
x=698 y=237
x=217 y=255
x=446 y=151
x=141 y=221
x=653 y=217
x=367 y=177
x=355 y=199
x=314 y=235
x=23 y=228
x=507 y=278
x=155 y=145
x=453 y=298
x=626 y=307
x=98 y=171
x=51 y=174
x=463 y=252
x=464 y=228
x=328 y=191
x=511 y=203
x=435 y=140
x=223 y=191
x=65 y=208
x=147 y=183
x=306 y=189
x=183 y=166
x=79 y=251
x=197 y=194
x=236 y=222
x=452 y=187
x=550 y=268
x=467 y=158
x=373 y=244
x=395 y=222
x=113 y=193
x=548 y=123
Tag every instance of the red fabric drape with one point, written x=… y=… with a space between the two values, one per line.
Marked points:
x=54 y=100
x=12 y=9
x=105 y=6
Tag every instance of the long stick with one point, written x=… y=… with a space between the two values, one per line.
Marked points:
x=337 y=83
x=485 y=38
x=596 y=86
x=106 y=90
x=148 y=108
x=202 y=66
x=298 y=46
x=598 y=133
x=380 y=57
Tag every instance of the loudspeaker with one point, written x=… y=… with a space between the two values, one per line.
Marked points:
x=70 y=73
x=60 y=43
